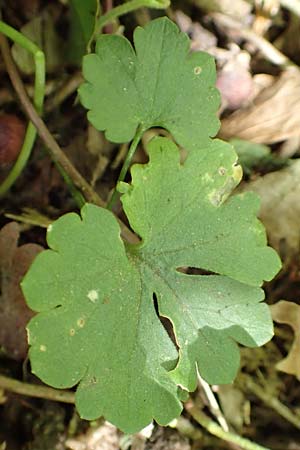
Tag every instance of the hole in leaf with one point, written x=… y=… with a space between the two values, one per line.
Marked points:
x=195 y=271
x=166 y=323
x=155 y=305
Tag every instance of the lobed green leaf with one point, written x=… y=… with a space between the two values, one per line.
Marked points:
x=157 y=84
x=95 y=296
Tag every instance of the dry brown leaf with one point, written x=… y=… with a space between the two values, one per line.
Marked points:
x=272 y=117
x=289 y=314
x=14 y=313
x=280 y=208
x=239 y=9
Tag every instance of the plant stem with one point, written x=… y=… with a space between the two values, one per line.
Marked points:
x=128 y=7
x=263 y=45
x=133 y=146
x=213 y=404
x=35 y=390
x=217 y=431
x=38 y=99
x=39 y=92
x=246 y=383
x=55 y=151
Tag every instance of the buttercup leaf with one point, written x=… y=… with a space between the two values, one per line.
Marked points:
x=96 y=318
x=95 y=295
x=159 y=83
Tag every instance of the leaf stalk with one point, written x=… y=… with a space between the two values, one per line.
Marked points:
x=213 y=428
x=35 y=390
x=128 y=7
x=38 y=100
x=133 y=146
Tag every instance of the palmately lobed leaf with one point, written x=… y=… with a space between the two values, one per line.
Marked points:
x=95 y=324
x=95 y=294
x=199 y=229
x=159 y=83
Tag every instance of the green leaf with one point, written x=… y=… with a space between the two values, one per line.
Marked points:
x=96 y=321
x=158 y=84
x=82 y=22
x=250 y=154
x=95 y=295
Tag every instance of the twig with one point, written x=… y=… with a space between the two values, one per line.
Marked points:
x=57 y=154
x=35 y=390
x=217 y=431
x=245 y=381
x=269 y=51
x=186 y=428
x=213 y=404
x=55 y=151
x=64 y=92
x=108 y=29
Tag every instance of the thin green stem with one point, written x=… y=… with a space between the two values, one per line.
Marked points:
x=76 y=194
x=21 y=161
x=36 y=390
x=128 y=7
x=54 y=149
x=31 y=132
x=39 y=92
x=133 y=146
x=97 y=16
x=18 y=38
x=213 y=428
x=246 y=383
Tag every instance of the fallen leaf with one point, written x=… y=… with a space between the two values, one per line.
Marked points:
x=280 y=208
x=41 y=30
x=239 y=9
x=14 y=313
x=289 y=314
x=272 y=117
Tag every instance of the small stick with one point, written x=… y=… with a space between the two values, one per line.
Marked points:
x=217 y=431
x=64 y=92
x=213 y=404
x=55 y=151
x=35 y=390
x=272 y=402
x=269 y=51
x=57 y=154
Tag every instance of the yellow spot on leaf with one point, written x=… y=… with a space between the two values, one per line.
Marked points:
x=81 y=322
x=93 y=295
